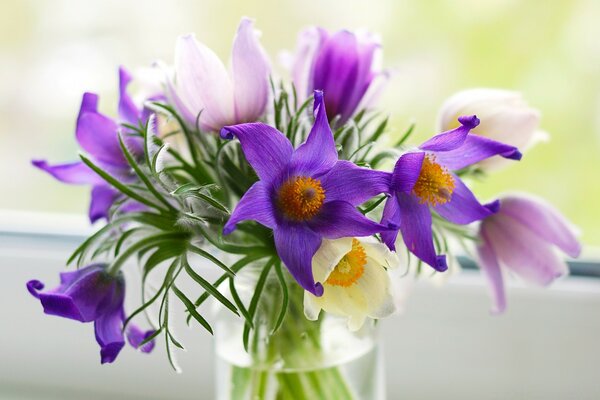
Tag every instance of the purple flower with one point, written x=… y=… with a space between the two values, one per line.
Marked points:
x=342 y=65
x=304 y=195
x=91 y=294
x=97 y=134
x=203 y=89
x=423 y=179
x=521 y=238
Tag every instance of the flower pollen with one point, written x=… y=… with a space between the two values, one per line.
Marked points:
x=350 y=268
x=435 y=184
x=301 y=198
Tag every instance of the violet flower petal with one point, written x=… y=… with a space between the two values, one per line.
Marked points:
x=109 y=334
x=348 y=182
x=463 y=207
x=339 y=219
x=103 y=197
x=75 y=172
x=406 y=171
x=135 y=337
x=391 y=217
x=128 y=112
x=415 y=225
x=476 y=148
x=296 y=246
x=266 y=149
x=452 y=139
x=491 y=270
x=544 y=220
x=522 y=251
x=97 y=135
x=318 y=154
x=255 y=205
x=250 y=72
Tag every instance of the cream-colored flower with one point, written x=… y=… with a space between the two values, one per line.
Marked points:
x=504 y=115
x=356 y=280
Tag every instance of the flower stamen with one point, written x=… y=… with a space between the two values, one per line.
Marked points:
x=435 y=184
x=301 y=198
x=350 y=268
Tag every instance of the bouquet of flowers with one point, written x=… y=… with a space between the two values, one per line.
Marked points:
x=315 y=213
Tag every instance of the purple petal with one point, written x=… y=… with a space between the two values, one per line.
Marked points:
x=34 y=286
x=135 y=337
x=491 y=270
x=89 y=103
x=81 y=294
x=415 y=225
x=266 y=149
x=463 y=208
x=296 y=246
x=128 y=112
x=318 y=154
x=391 y=217
x=476 y=148
x=355 y=185
x=544 y=220
x=523 y=251
x=109 y=334
x=255 y=205
x=75 y=173
x=103 y=197
x=250 y=70
x=339 y=219
x=309 y=44
x=453 y=139
x=407 y=171
x=97 y=135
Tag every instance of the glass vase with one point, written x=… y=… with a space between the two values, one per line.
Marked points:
x=302 y=359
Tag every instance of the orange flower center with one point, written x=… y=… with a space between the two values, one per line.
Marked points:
x=301 y=198
x=435 y=184
x=350 y=268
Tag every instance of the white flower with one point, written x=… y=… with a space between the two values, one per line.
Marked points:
x=504 y=115
x=356 y=280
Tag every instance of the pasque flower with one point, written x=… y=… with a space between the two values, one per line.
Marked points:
x=356 y=280
x=504 y=115
x=521 y=238
x=204 y=91
x=91 y=294
x=344 y=65
x=97 y=134
x=423 y=180
x=304 y=195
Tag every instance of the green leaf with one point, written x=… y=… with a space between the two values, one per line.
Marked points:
x=285 y=297
x=260 y=285
x=191 y=309
x=212 y=258
x=212 y=290
x=406 y=135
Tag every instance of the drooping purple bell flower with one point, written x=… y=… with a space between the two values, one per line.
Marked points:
x=97 y=134
x=305 y=194
x=344 y=65
x=423 y=180
x=91 y=294
x=521 y=238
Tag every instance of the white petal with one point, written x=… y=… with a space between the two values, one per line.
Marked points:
x=328 y=256
x=311 y=306
x=377 y=290
x=309 y=42
x=250 y=73
x=202 y=84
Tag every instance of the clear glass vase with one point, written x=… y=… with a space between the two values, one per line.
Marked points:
x=302 y=360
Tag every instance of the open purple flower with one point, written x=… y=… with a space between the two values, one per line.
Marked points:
x=91 y=294
x=423 y=179
x=304 y=195
x=343 y=65
x=521 y=238
x=97 y=134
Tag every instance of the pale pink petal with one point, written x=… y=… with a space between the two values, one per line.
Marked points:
x=490 y=268
x=250 y=70
x=203 y=84
x=309 y=43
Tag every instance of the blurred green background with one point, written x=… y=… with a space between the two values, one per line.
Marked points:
x=52 y=51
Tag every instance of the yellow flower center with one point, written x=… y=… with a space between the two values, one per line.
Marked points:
x=350 y=268
x=301 y=198
x=435 y=184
